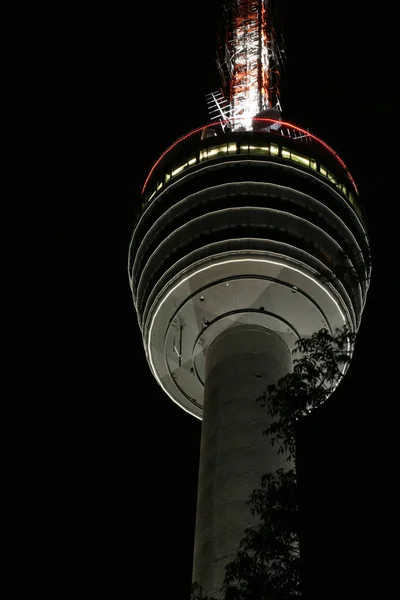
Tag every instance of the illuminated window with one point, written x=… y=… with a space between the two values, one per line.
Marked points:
x=192 y=161
x=259 y=149
x=274 y=149
x=153 y=194
x=351 y=198
x=285 y=153
x=244 y=149
x=178 y=170
x=167 y=177
x=217 y=150
x=302 y=159
x=323 y=171
x=159 y=186
x=332 y=178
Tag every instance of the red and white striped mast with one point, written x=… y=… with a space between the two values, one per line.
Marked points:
x=249 y=64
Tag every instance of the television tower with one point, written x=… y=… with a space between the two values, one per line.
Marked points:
x=251 y=236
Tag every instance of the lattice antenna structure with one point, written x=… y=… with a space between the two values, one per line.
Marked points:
x=249 y=60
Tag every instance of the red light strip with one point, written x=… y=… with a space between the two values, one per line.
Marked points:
x=259 y=119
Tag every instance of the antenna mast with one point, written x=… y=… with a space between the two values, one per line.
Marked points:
x=249 y=62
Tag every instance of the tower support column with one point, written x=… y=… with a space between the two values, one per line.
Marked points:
x=240 y=364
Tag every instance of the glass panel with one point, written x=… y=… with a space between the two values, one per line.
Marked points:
x=223 y=148
x=178 y=170
x=259 y=149
x=167 y=177
x=217 y=150
x=313 y=164
x=214 y=151
x=323 y=171
x=285 y=153
x=301 y=159
x=332 y=178
x=244 y=149
x=274 y=149
x=159 y=186
x=192 y=161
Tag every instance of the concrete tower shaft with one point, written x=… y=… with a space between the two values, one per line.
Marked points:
x=240 y=364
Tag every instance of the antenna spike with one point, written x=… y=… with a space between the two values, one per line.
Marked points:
x=249 y=61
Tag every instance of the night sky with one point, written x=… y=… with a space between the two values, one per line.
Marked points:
x=103 y=465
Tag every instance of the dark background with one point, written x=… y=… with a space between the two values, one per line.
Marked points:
x=103 y=466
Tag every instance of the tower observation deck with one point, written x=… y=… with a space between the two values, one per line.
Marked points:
x=251 y=236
